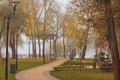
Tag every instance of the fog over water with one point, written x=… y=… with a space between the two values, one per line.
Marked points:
x=24 y=48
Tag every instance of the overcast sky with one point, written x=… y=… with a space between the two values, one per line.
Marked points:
x=63 y=3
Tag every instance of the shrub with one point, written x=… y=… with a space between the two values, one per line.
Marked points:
x=104 y=63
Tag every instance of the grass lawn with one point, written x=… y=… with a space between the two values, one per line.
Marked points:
x=22 y=65
x=86 y=74
x=90 y=74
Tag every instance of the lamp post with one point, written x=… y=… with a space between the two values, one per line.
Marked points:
x=7 y=35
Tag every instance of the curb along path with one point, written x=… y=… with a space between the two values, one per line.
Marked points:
x=39 y=73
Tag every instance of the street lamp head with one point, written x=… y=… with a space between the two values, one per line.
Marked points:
x=14 y=4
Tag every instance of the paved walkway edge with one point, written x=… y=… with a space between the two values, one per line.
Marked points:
x=47 y=74
x=20 y=75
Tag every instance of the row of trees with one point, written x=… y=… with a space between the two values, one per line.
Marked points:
x=81 y=24
x=45 y=24
x=42 y=20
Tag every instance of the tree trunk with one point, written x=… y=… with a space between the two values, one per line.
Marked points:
x=12 y=45
x=2 y=29
x=39 y=45
x=43 y=47
x=1 y=32
x=33 y=45
x=84 y=50
x=85 y=44
x=34 y=42
x=50 y=49
x=64 y=55
x=29 y=48
x=0 y=50
x=17 y=52
x=111 y=37
x=55 y=50
x=44 y=30
x=35 y=54
x=33 y=48
x=0 y=53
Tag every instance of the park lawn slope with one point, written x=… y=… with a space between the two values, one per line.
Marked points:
x=23 y=64
x=85 y=74
x=89 y=74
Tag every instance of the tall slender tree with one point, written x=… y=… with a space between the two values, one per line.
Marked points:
x=111 y=37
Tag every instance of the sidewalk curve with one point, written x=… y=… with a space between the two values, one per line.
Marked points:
x=39 y=73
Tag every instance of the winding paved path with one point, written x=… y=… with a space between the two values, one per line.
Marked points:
x=39 y=73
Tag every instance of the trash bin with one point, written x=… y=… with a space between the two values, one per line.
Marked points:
x=13 y=68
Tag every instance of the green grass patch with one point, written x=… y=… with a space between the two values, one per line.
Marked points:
x=23 y=64
x=85 y=74
x=90 y=74
x=78 y=62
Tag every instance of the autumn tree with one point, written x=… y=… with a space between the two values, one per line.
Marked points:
x=32 y=7
x=106 y=14
x=111 y=37
x=56 y=28
x=84 y=12
x=15 y=22
x=107 y=17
